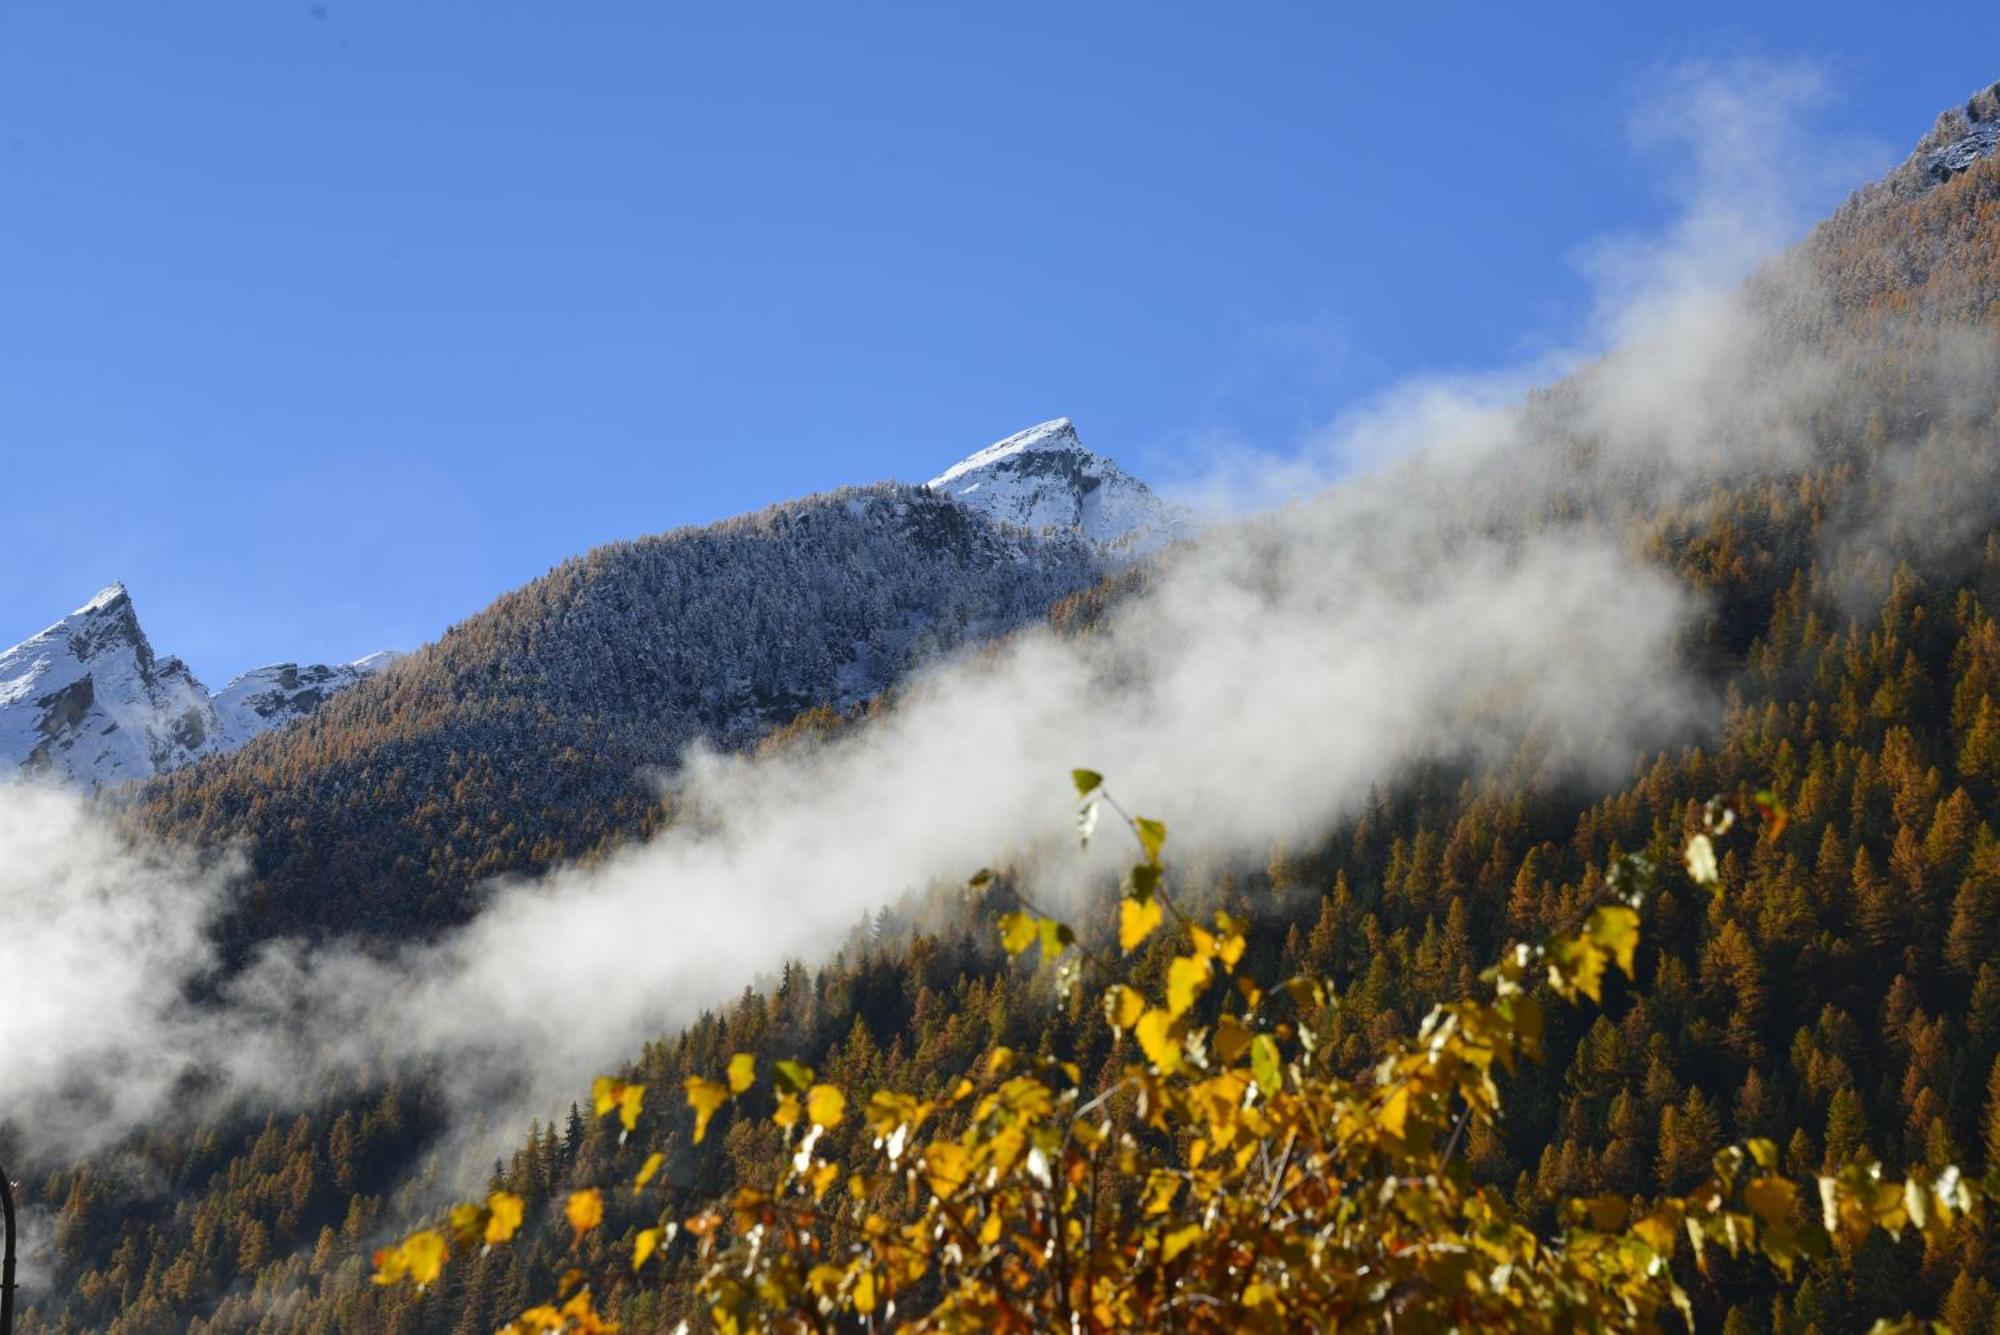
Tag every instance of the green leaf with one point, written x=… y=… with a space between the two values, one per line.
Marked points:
x=792 y=1077
x=1152 y=836
x=1264 y=1064
x=1087 y=781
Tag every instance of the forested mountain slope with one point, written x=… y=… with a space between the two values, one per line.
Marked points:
x=1842 y=992
x=537 y=729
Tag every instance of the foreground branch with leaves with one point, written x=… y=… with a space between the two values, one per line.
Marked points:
x=1227 y=1180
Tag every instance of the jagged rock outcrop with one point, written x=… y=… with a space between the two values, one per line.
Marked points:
x=87 y=701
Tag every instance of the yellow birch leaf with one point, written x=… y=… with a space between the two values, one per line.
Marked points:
x=1231 y=949
x=1136 y=921
x=1615 y=928
x=1017 y=932
x=1161 y=1188
x=585 y=1210
x=630 y=1100
x=1156 y=1038
x=1605 y=1213
x=1771 y=1199
x=391 y=1265
x=1186 y=977
x=647 y=1169
x=1231 y=1038
x=826 y=1105
x=1123 y=1006
x=467 y=1223
x=705 y=1097
x=425 y=1253
x=1179 y=1241
x=604 y=1093
x=1659 y=1230
x=1396 y=1109
x=504 y=1211
x=822 y=1179
x=945 y=1167
x=864 y=1292
x=742 y=1072
x=644 y=1246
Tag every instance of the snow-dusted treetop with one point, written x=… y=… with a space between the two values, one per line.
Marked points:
x=1043 y=480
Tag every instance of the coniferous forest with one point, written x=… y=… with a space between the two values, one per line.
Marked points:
x=1829 y=990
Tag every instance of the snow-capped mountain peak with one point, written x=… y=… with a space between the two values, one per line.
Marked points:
x=106 y=597
x=1053 y=437
x=88 y=702
x=1044 y=479
x=268 y=697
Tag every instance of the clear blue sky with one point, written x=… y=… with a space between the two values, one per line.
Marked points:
x=322 y=324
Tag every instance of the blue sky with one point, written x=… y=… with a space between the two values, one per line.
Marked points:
x=322 y=324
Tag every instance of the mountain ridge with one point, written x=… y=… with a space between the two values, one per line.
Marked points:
x=567 y=698
x=87 y=700
x=158 y=716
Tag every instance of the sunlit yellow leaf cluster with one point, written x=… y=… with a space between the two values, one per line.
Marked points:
x=1229 y=1177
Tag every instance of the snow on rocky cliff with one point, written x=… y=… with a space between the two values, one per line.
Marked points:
x=1044 y=480
x=268 y=697
x=88 y=702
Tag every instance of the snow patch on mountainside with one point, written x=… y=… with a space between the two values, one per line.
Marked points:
x=87 y=701
x=269 y=697
x=1963 y=137
x=1979 y=139
x=1045 y=481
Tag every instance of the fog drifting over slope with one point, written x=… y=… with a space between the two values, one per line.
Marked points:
x=1251 y=695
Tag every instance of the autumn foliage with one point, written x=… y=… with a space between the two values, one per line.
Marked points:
x=1230 y=1179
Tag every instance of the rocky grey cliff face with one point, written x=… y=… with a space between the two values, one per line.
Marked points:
x=87 y=702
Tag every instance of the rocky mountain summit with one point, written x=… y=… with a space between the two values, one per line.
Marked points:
x=1045 y=481
x=87 y=701
x=830 y=599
